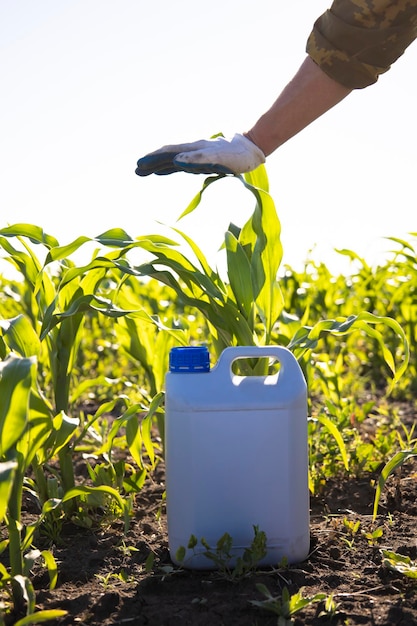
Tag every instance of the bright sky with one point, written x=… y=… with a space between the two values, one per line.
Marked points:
x=89 y=86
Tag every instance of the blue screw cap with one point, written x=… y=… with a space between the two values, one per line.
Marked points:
x=189 y=359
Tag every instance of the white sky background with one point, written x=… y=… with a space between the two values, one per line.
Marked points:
x=87 y=87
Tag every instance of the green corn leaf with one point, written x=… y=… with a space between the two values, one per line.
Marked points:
x=197 y=199
x=63 y=428
x=262 y=235
x=30 y=531
x=57 y=253
x=307 y=338
x=22 y=261
x=16 y=377
x=353 y=256
x=29 y=559
x=134 y=482
x=258 y=178
x=405 y=244
x=131 y=414
x=114 y=237
x=85 y=491
x=396 y=461
x=239 y=274
x=134 y=438
x=146 y=425
x=369 y=318
x=51 y=567
x=80 y=305
x=226 y=320
x=4 y=574
x=36 y=234
x=49 y=321
x=201 y=259
x=44 y=289
x=196 y=281
x=87 y=384
x=28 y=264
x=39 y=617
x=333 y=430
x=20 y=336
x=99 y=263
x=156 y=239
x=37 y=432
x=50 y=505
x=177 y=333
x=27 y=591
x=7 y=472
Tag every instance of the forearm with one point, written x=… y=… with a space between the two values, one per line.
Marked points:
x=309 y=94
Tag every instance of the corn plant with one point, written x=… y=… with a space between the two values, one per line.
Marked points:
x=394 y=463
x=249 y=309
x=34 y=430
x=28 y=436
x=386 y=291
x=58 y=299
x=19 y=440
x=244 y=310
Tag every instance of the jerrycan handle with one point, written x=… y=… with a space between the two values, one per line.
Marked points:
x=290 y=368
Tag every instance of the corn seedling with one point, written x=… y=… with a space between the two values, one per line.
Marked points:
x=395 y=462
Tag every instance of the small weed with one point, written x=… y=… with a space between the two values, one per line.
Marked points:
x=330 y=607
x=125 y=549
x=229 y=567
x=106 y=580
x=400 y=563
x=373 y=536
x=351 y=528
x=286 y=605
x=407 y=440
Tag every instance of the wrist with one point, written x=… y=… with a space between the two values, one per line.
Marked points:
x=256 y=138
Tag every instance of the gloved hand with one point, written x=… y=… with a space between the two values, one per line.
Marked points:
x=212 y=156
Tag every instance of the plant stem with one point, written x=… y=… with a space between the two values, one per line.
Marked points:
x=13 y=522
x=40 y=481
x=66 y=468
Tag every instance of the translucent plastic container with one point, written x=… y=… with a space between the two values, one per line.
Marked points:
x=236 y=455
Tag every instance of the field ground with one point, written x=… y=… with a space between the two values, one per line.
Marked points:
x=105 y=577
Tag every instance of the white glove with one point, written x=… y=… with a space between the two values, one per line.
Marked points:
x=207 y=156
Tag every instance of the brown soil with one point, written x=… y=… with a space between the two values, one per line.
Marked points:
x=364 y=589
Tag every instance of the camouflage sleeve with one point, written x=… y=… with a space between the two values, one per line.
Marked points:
x=357 y=40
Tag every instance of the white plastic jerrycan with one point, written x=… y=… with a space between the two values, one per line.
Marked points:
x=236 y=455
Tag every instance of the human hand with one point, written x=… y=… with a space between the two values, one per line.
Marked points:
x=212 y=156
